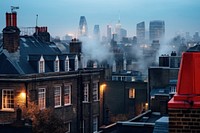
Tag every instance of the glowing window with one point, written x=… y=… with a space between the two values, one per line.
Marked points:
x=131 y=93
x=67 y=95
x=57 y=96
x=7 y=99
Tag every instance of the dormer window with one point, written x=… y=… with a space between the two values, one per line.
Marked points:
x=41 y=65
x=56 y=65
x=76 y=63
x=67 y=64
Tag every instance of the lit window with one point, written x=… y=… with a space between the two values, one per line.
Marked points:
x=8 y=99
x=95 y=91
x=67 y=64
x=67 y=127
x=42 y=98
x=57 y=96
x=41 y=65
x=131 y=93
x=67 y=95
x=86 y=94
x=76 y=63
x=56 y=65
x=95 y=125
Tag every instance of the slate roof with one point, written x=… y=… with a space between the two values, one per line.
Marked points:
x=162 y=125
x=25 y=60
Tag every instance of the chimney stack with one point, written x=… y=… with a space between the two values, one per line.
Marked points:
x=184 y=107
x=11 y=33
x=42 y=33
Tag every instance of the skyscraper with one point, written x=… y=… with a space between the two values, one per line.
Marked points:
x=109 y=33
x=96 y=32
x=156 y=30
x=118 y=30
x=140 y=32
x=83 y=29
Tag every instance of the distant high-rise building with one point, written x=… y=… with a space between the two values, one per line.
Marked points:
x=140 y=32
x=118 y=31
x=156 y=30
x=123 y=33
x=96 y=32
x=83 y=29
x=109 y=33
x=196 y=37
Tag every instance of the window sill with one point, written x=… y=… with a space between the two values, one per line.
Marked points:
x=7 y=110
x=57 y=106
x=86 y=102
x=68 y=104
x=96 y=100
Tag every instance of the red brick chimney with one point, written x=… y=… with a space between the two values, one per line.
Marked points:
x=184 y=107
x=42 y=33
x=11 y=33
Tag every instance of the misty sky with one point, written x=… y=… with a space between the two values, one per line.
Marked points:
x=62 y=16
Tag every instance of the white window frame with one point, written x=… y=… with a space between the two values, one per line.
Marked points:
x=95 y=124
x=69 y=127
x=41 y=65
x=86 y=93
x=83 y=126
x=173 y=89
x=57 y=96
x=56 y=65
x=5 y=102
x=76 y=63
x=67 y=93
x=43 y=96
x=67 y=64
x=95 y=91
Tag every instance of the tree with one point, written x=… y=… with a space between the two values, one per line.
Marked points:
x=43 y=121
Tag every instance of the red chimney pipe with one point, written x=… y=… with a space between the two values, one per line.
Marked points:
x=188 y=85
x=14 y=19
x=8 y=19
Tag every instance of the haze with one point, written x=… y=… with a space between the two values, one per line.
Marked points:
x=62 y=16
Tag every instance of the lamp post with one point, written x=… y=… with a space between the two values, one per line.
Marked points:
x=103 y=86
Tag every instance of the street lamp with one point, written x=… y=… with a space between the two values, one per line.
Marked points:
x=103 y=87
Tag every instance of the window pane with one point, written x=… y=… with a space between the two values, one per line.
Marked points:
x=57 y=96
x=67 y=95
x=95 y=91
x=131 y=93
x=8 y=99
x=86 y=95
x=41 y=98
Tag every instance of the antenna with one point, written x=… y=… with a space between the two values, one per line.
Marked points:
x=14 y=8
x=119 y=17
x=36 y=20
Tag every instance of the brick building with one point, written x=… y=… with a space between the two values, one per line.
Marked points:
x=33 y=69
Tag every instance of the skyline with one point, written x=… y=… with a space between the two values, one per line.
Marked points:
x=179 y=15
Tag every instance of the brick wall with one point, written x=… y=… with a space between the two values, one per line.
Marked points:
x=184 y=120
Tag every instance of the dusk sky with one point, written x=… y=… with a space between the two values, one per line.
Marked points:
x=62 y=16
